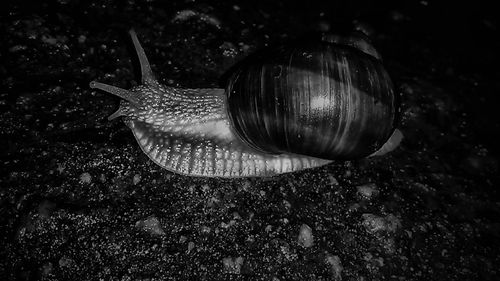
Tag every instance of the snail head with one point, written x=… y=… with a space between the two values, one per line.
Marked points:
x=137 y=98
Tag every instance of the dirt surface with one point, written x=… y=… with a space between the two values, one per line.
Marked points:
x=80 y=201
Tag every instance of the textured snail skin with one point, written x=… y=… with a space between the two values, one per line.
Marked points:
x=188 y=131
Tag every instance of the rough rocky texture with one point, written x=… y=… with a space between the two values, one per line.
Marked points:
x=80 y=201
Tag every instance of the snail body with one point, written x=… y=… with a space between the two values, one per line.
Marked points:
x=284 y=110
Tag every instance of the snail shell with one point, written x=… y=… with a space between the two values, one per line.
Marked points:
x=284 y=109
x=323 y=100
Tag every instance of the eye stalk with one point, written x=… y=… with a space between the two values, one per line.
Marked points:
x=147 y=78
x=119 y=92
x=146 y=72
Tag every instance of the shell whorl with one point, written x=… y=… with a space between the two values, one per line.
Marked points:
x=319 y=99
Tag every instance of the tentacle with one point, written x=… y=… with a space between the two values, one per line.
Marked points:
x=146 y=72
x=117 y=114
x=122 y=93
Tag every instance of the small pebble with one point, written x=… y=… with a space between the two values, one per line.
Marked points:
x=185 y=15
x=137 y=179
x=65 y=262
x=335 y=266
x=60 y=168
x=348 y=173
x=229 y=50
x=236 y=216
x=182 y=239
x=367 y=191
x=190 y=246
x=86 y=178
x=232 y=265
x=245 y=186
x=305 y=238
x=287 y=204
x=151 y=225
x=205 y=188
x=17 y=48
x=332 y=180
x=393 y=223
x=375 y=224
x=205 y=229
x=82 y=39
x=47 y=269
x=49 y=40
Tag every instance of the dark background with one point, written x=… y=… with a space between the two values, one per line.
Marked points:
x=453 y=43
x=79 y=200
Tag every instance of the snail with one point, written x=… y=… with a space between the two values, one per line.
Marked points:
x=284 y=109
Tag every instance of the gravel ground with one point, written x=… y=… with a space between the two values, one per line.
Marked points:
x=80 y=201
